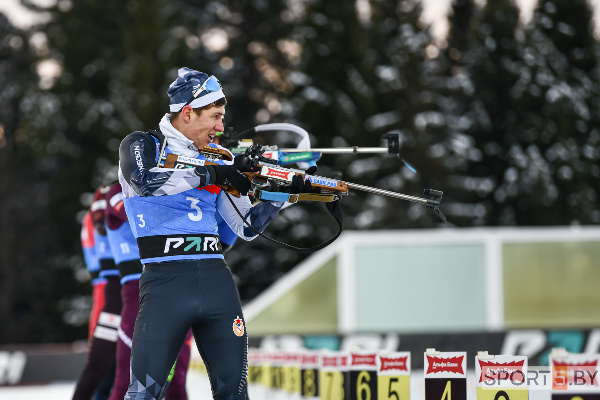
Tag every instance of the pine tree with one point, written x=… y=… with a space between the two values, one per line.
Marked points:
x=562 y=85
x=361 y=77
x=30 y=309
x=483 y=66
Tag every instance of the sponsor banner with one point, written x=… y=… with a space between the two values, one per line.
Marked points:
x=501 y=371
x=335 y=361
x=322 y=181
x=288 y=158
x=277 y=173
x=536 y=344
x=393 y=364
x=12 y=364
x=310 y=359
x=393 y=375
x=41 y=363
x=51 y=362
x=363 y=361
x=187 y=162
x=178 y=245
x=445 y=364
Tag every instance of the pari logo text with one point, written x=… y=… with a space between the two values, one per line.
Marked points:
x=195 y=243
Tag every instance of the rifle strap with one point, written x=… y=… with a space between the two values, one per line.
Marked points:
x=293 y=198
x=316 y=197
x=333 y=208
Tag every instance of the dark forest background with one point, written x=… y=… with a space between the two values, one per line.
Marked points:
x=501 y=116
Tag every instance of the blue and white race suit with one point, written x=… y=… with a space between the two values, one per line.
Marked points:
x=185 y=282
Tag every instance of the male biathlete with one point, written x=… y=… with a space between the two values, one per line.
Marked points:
x=101 y=354
x=186 y=282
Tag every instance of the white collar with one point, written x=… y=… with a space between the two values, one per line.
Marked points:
x=176 y=141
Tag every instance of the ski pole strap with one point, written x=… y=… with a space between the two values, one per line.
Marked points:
x=293 y=198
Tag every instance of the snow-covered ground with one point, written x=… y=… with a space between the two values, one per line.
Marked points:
x=199 y=389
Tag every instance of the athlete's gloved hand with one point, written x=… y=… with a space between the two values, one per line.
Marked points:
x=300 y=185
x=230 y=175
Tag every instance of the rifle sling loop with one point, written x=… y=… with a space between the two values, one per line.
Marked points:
x=333 y=208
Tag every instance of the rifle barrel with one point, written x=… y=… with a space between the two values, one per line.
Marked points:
x=339 y=150
x=387 y=193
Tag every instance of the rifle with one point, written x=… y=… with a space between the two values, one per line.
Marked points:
x=270 y=172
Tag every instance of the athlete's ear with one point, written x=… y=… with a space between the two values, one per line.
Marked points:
x=186 y=113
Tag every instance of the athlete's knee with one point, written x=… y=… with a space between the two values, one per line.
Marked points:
x=148 y=390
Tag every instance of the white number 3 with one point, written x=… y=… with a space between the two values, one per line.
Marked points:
x=194 y=205
x=142 y=222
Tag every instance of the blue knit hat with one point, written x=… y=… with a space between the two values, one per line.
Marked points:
x=194 y=88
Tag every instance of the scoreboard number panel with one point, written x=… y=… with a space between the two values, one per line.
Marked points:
x=362 y=375
x=333 y=376
x=309 y=374
x=309 y=383
x=332 y=385
x=363 y=385
x=393 y=375
x=445 y=375
x=501 y=377
x=291 y=373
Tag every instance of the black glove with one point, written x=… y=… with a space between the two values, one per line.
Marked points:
x=300 y=185
x=230 y=175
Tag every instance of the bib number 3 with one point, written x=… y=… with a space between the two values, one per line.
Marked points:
x=198 y=215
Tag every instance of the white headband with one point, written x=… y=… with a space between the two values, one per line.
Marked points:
x=199 y=101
